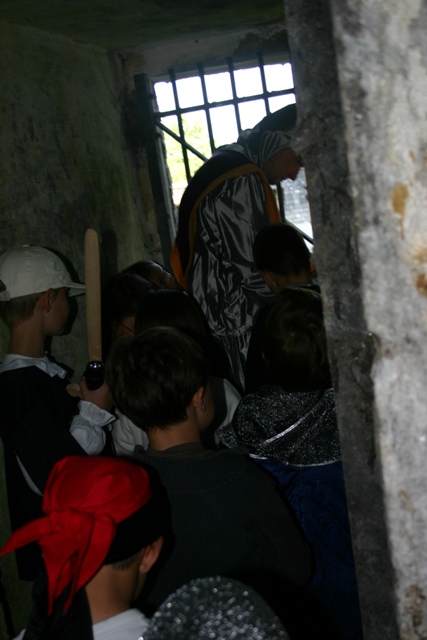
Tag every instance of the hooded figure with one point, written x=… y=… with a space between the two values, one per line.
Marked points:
x=290 y=428
x=224 y=206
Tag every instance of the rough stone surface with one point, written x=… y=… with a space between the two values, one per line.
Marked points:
x=352 y=346
x=66 y=164
x=382 y=56
x=116 y=24
x=156 y=60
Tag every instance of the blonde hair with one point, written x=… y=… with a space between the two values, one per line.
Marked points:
x=17 y=310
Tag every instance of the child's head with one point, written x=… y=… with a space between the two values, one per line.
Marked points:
x=279 y=250
x=26 y=273
x=294 y=342
x=99 y=512
x=120 y=301
x=171 y=308
x=155 y=273
x=155 y=377
x=216 y=608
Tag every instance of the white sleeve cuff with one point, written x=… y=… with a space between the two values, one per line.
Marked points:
x=87 y=429
x=94 y=414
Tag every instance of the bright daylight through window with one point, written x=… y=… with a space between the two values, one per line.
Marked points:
x=201 y=113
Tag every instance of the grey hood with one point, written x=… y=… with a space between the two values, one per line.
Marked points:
x=295 y=428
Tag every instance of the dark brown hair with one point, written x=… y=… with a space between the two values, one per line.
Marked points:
x=171 y=308
x=280 y=248
x=154 y=377
x=294 y=342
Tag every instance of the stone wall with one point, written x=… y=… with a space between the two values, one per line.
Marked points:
x=361 y=79
x=66 y=160
x=66 y=163
x=382 y=62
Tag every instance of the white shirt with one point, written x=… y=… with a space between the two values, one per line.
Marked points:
x=126 y=435
x=129 y=625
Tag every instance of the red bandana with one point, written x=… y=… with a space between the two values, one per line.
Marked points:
x=84 y=499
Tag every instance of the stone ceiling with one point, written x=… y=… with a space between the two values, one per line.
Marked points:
x=117 y=24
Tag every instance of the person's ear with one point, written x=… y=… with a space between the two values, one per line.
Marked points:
x=46 y=300
x=150 y=555
x=267 y=277
x=270 y=280
x=197 y=401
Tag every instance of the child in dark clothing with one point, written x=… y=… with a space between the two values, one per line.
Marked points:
x=291 y=430
x=41 y=422
x=101 y=532
x=283 y=259
x=227 y=517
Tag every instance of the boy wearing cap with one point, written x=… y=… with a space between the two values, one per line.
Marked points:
x=40 y=422
x=227 y=517
x=100 y=534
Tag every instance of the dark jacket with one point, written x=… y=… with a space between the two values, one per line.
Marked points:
x=228 y=519
x=34 y=426
x=295 y=437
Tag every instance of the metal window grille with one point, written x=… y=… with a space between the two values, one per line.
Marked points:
x=207 y=106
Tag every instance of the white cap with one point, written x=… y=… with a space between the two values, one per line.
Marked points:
x=27 y=270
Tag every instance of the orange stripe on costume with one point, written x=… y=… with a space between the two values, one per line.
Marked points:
x=181 y=271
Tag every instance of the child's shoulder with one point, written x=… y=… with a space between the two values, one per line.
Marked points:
x=24 y=366
x=31 y=385
x=13 y=375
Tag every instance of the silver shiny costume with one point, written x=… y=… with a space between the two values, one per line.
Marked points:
x=223 y=277
x=298 y=428
x=216 y=608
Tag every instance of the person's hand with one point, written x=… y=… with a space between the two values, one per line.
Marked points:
x=102 y=397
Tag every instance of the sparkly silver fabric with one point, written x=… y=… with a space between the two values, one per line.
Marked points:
x=216 y=609
x=295 y=428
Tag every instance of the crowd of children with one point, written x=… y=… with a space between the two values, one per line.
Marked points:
x=205 y=496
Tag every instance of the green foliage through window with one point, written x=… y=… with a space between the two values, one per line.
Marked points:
x=195 y=134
